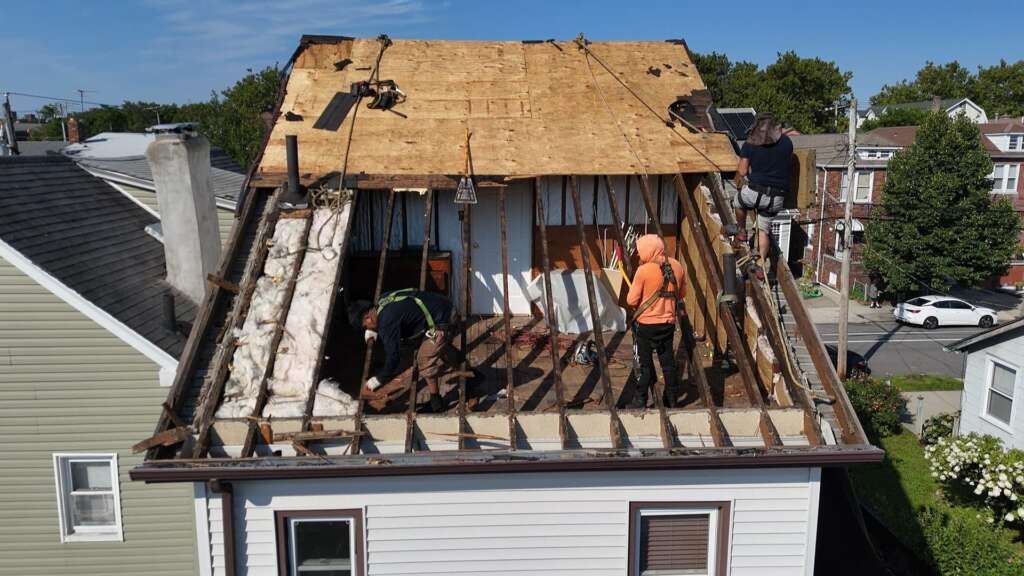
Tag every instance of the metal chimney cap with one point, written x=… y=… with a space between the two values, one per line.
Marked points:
x=182 y=128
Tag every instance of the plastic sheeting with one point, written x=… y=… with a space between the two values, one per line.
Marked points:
x=572 y=307
x=298 y=353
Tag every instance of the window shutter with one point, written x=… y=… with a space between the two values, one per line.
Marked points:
x=673 y=544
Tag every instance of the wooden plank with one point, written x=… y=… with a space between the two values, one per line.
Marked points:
x=510 y=375
x=222 y=283
x=169 y=437
x=615 y=431
x=410 y=410
x=200 y=326
x=549 y=314
x=736 y=343
x=275 y=342
x=466 y=216
x=213 y=386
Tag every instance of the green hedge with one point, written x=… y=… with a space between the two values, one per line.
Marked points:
x=963 y=545
x=879 y=405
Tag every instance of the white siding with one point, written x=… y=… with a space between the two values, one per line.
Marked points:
x=147 y=199
x=1009 y=352
x=571 y=524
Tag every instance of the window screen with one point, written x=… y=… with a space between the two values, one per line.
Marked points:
x=674 y=544
x=1000 y=395
x=88 y=500
x=319 y=543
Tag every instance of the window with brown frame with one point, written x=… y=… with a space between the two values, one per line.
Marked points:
x=678 y=538
x=319 y=542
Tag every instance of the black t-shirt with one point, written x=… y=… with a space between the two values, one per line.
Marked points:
x=769 y=165
x=404 y=319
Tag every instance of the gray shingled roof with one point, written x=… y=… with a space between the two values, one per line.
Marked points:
x=40 y=147
x=92 y=239
x=227 y=177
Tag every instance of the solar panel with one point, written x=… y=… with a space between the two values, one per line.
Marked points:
x=737 y=123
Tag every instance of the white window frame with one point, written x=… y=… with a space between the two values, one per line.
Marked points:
x=62 y=479
x=1015 y=138
x=990 y=366
x=999 y=184
x=293 y=568
x=844 y=189
x=713 y=527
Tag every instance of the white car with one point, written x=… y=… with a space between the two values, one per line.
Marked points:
x=934 y=311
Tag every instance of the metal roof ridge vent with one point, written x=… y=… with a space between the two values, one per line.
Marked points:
x=179 y=159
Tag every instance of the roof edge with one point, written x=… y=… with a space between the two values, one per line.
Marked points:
x=980 y=337
x=506 y=462
x=88 y=308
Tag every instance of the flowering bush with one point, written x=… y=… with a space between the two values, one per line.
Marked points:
x=937 y=427
x=962 y=545
x=979 y=464
x=878 y=404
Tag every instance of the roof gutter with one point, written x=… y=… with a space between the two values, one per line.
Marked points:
x=297 y=468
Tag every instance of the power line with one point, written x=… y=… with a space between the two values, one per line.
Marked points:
x=57 y=98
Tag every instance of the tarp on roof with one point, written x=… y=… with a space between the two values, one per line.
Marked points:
x=531 y=108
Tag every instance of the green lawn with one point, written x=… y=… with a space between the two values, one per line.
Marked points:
x=924 y=382
x=899 y=486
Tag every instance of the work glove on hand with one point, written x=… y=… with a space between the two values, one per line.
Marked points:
x=373 y=383
x=369 y=335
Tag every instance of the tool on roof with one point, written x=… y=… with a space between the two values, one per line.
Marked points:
x=466 y=193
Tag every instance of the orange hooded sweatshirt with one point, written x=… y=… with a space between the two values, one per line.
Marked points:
x=648 y=280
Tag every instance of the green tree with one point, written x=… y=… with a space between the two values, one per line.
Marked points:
x=999 y=89
x=950 y=80
x=232 y=120
x=896 y=117
x=799 y=91
x=937 y=223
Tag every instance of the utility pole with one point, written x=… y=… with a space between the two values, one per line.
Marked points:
x=10 y=136
x=81 y=97
x=844 y=279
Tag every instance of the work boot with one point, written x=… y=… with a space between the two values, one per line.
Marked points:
x=639 y=402
x=435 y=406
x=669 y=399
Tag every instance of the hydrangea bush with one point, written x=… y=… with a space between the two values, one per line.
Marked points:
x=979 y=464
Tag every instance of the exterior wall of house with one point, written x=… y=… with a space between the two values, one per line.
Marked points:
x=1008 y=351
x=69 y=386
x=973 y=113
x=225 y=218
x=820 y=250
x=555 y=524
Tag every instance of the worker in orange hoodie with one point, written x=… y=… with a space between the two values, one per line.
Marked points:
x=657 y=287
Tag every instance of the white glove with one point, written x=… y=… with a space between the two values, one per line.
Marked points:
x=369 y=335
x=373 y=383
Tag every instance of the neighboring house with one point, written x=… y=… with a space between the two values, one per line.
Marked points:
x=532 y=469
x=86 y=353
x=993 y=398
x=1003 y=140
x=119 y=158
x=951 y=106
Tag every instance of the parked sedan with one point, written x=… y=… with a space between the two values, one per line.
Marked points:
x=934 y=311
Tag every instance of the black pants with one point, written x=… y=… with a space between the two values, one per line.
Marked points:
x=649 y=339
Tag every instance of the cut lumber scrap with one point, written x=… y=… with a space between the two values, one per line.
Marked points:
x=169 y=437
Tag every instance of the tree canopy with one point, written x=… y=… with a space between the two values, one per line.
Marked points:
x=937 y=223
x=896 y=117
x=231 y=120
x=999 y=88
x=799 y=91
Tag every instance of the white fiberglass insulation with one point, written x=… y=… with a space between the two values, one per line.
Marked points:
x=299 y=352
x=253 y=339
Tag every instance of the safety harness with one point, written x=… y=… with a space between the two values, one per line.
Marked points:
x=407 y=294
x=668 y=279
x=762 y=191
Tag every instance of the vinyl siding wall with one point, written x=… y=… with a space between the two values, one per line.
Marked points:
x=68 y=385
x=564 y=524
x=225 y=218
x=974 y=400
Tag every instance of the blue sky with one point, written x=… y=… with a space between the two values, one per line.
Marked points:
x=181 y=50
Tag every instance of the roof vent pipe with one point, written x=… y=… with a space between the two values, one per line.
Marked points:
x=295 y=196
x=170 y=316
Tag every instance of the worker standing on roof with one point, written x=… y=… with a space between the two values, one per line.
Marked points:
x=765 y=163
x=656 y=290
x=406 y=315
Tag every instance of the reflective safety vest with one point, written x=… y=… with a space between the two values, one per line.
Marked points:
x=406 y=294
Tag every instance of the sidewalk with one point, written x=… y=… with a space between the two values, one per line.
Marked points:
x=931 y=404
x=825 y=310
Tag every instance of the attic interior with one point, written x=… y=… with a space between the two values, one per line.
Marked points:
x=275 y=369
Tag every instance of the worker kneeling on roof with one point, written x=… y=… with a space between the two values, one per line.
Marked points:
x=406 y=315
x=656 y=290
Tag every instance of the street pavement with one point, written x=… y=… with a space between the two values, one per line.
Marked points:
x=892 y=348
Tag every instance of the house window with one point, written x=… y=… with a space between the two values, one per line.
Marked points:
x=1004 y=178
x=88 y=497
x=669 y=538
x=1000 y=391
x=1016 y=142
x=863 y=180
x=320 y=543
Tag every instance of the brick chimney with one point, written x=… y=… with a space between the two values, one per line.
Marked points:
x=180 y=162
x=73 y=134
